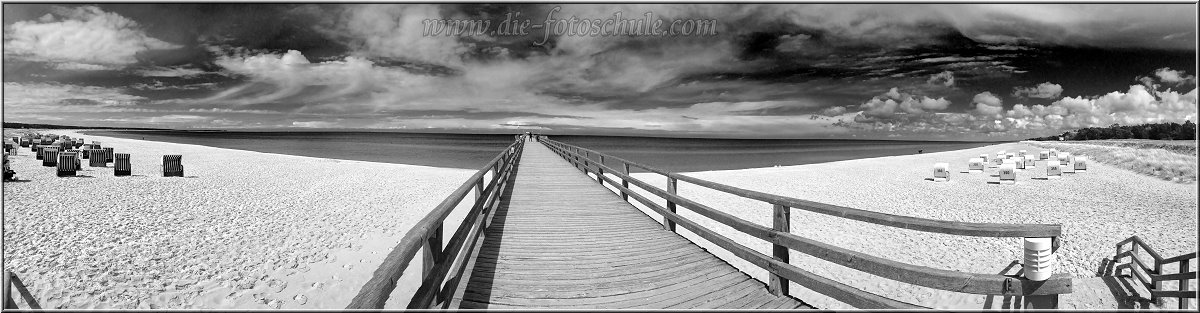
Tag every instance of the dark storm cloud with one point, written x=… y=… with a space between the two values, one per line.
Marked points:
x=771 y=67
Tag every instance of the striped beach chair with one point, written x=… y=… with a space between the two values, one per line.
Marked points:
x=96 y=145
x=37 y=153
x=108 y=155
x=172 y=165
x=67 y=164
x=97 y=159
x=78 y=143
x=50 y=156
x=121 y=165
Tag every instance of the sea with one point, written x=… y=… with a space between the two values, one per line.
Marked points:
x=472 y=151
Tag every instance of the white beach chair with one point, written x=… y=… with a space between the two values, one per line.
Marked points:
x=1018 y=162
x=983 y=157
x=975 y=165
x=1022 y=154
x=1008 y=174
x=1030 y=161
x=1043 y=155
x=941 y=172
x=1053 y=170
x=1081 y=164
x=1064 y=158
x=1053 y=153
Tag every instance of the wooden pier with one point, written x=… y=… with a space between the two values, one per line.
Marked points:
x=544 y=232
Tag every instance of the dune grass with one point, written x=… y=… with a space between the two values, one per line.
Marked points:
x=1169 y=160
x=1187 y=147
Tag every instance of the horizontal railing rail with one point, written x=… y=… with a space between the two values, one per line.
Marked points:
x=1152 y=276
x=782 y=240
x=426 y=236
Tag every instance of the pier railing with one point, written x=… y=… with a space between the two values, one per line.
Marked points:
x=782 y=240
x=10 y=281
x=1153 y=275
x=438 y=255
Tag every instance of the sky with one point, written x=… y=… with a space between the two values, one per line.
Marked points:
x=853 y=71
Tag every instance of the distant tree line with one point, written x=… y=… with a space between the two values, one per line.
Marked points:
x=10 y=125
x=1158 y=131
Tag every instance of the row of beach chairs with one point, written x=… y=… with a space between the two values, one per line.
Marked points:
x=1009 y=163
x=66 y=156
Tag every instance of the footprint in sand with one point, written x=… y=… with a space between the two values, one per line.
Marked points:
x=301 y=299
x=277 y=285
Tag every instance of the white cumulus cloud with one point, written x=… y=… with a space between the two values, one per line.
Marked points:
x=1044 y=90
x=83 y=34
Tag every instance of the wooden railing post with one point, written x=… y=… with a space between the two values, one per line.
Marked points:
x=781 y=222
x=671 y=186
x=433 y=252
x=600 y=171
x=1184 y=266
x=9 y=303
x=625 y=183
x=1158 y=270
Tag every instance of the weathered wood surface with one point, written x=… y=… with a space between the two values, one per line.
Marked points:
x=558 y=240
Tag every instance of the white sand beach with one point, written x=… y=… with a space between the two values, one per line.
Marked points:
x=242 y=230
x=1097 y=209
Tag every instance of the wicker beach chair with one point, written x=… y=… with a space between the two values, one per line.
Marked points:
x=67 y=164
x=50 y=156
x=24 y=142
x=87 y=151
x=172 y=166
x=121 y=165
x=78 y=156
x=37 y=151
x=9 y=174
x=97 y=159
x=108 y=155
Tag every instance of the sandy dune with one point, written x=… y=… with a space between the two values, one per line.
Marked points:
x=243 y=230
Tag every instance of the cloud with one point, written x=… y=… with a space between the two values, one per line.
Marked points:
x=987 y=104
x=1174 y=77
x=1044 y=90
x=834 y=111
x=944 y=78
x=899 y=105
x=85 y=34
x=18 y=95
x=397 y=31
x=162 y=71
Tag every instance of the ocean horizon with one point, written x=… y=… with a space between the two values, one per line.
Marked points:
x=472 y=151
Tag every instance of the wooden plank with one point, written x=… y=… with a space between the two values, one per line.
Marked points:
x=727 y=295
x=655 y=281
